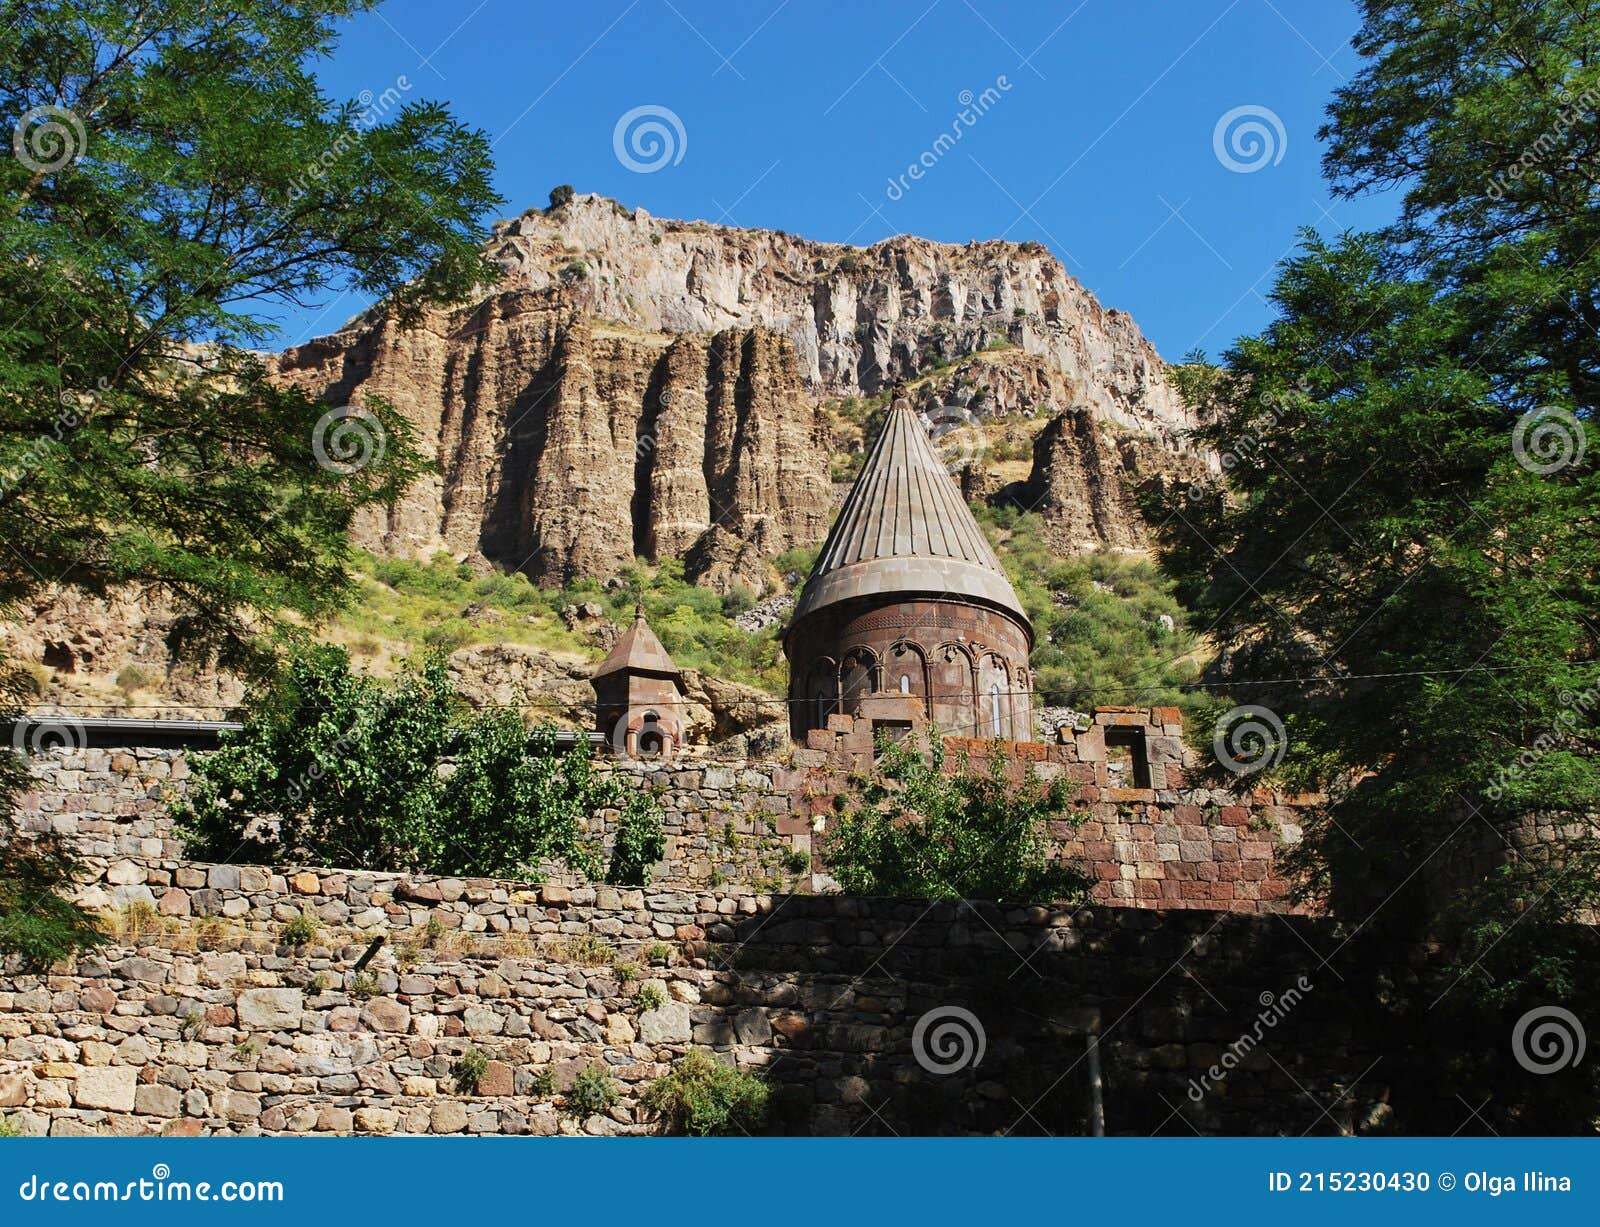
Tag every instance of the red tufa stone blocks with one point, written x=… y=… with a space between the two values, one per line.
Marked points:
x=1139 y=845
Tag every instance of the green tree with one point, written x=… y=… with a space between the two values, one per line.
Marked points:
x=176 y=176
x=341 y=769
x=1411 y=512
x=173 y=174
x=917 y=831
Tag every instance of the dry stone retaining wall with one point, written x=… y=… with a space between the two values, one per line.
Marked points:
x=202 y=1019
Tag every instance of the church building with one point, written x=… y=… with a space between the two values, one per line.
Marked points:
x=908 y=619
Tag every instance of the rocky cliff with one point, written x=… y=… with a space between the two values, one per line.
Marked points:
x=642 y=387
x=1086 y=481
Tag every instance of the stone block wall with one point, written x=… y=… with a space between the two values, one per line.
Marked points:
x=725 y=822
x=203 y=1018
x=1177 y=841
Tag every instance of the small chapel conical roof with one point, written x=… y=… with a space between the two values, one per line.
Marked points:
x=905 y=528
x=638 y=651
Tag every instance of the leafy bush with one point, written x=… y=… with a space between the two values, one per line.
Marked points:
x=469 y=1069
x=301 y=930
x=639 y=843
x=39 y=922
x=337 y=768
x=592 y=1091
x=649 y=997
x=703 y=1097
x=917 y=832
x=561 y=194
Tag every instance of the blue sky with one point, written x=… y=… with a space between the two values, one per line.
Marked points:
x=1100 y=136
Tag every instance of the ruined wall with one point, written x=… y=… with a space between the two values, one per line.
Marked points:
x=210 y=1013
x=1177 y=842
x=1161 y=834
x=764 y=825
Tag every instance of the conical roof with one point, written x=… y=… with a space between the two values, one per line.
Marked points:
x=637 y=650
x=906 y=529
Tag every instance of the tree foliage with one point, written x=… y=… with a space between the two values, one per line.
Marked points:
x=917 y=831
x=177 y=175
x=173 y=174
x=39 y=921
x=339 y=769
x=1412 y=496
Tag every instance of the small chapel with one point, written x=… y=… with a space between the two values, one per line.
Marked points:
x=907 y=619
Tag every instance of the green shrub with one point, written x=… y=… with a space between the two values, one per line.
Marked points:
x=364 y=984
x=302 y=930
x=797 y=860
x=593 y=1090
x=350 y=769
x=639 y=843
x=703 y=1097
x=916 y=832
x=9 y=1127
x=469 y=1069
x=561 y=194
x=544 y=1083
x=657 y=952
x=649 y=997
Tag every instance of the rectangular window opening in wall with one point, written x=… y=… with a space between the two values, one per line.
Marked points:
x=1127 y=759
x=890 y=730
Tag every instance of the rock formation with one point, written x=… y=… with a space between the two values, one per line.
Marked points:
x=640 y=387
x=567 y=446
x=1086 y=480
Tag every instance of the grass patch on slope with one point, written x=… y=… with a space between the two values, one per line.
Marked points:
x=445 y=604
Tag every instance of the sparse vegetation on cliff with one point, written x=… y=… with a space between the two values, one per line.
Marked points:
x=1108 y=627
x=408 y=603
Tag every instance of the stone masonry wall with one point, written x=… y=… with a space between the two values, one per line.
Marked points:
x=203 y=1018
x=1174 y=840
x=1181 y=842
